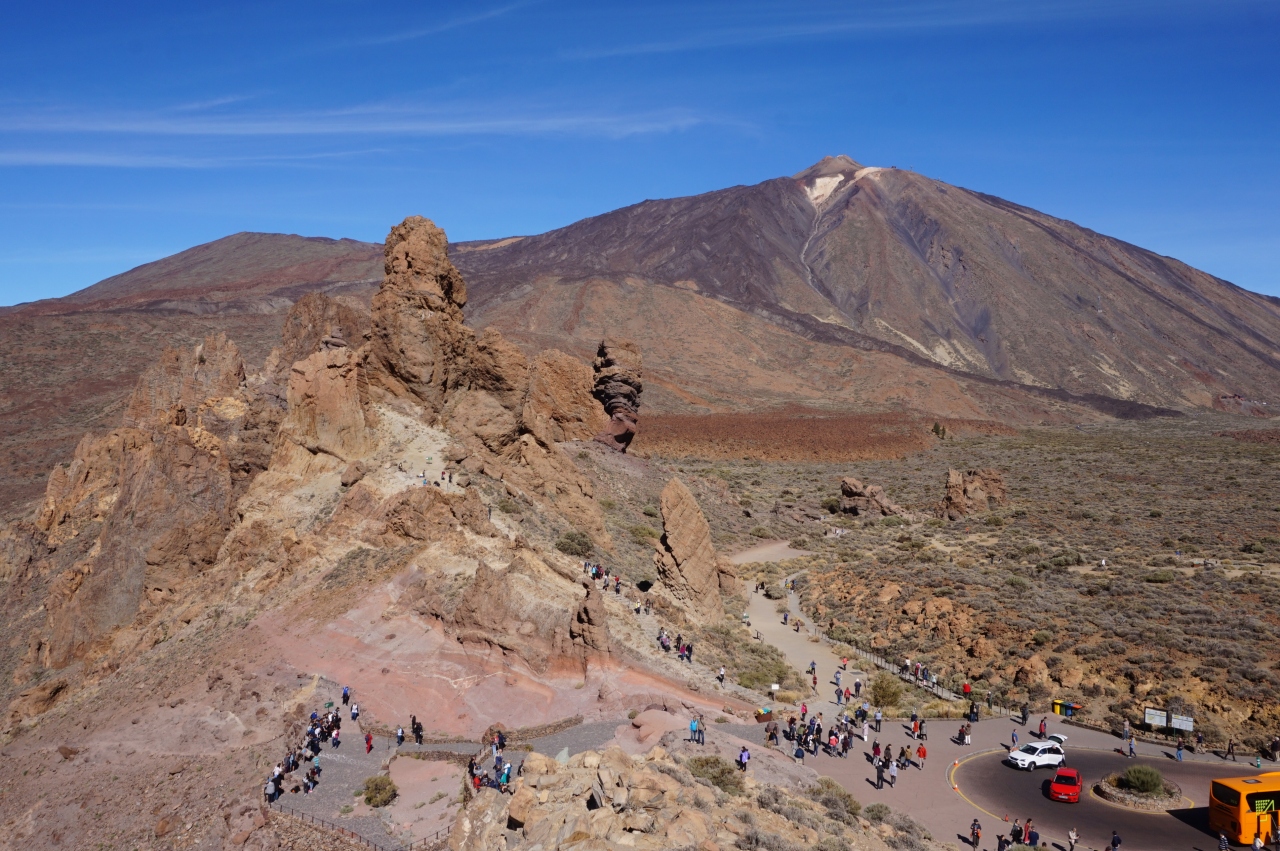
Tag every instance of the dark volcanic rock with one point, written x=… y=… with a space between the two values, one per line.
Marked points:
x=618 y=387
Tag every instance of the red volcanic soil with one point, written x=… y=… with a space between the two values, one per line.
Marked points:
x=797 y=436
x=1270 y=435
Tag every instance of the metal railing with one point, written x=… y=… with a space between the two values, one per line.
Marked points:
x=431 y=843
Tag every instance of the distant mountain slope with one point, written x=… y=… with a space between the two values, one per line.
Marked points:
x=841 y=287
x=245 y=272
x=890 y=259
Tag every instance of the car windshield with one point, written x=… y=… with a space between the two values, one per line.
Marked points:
x=1066 y=780
x=1029 y=749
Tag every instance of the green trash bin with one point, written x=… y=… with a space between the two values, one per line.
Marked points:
x=1060 y=707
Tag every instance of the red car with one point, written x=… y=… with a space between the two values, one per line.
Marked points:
x=1065 y=786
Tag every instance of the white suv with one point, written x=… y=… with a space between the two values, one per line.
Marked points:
x=1035 y=755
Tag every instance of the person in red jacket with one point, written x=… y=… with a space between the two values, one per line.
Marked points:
x=368 y=742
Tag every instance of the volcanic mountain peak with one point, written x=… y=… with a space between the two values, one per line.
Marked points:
x=830 y=166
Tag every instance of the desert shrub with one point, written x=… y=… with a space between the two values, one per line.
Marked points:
x=756 y=840
x=649 y=511
x=1042 y=637
x=775 y=592
x=760 y=532
x=876 y=813
x=886 y=690
x=840 y=805
x=717 y=771
x=798 y=543
x=1160 y=576
x=1155 y=512
x=1254 y=547
x=1142 y=779
x=643 y=535
x=633 y=713
x=893 y=521
x=575 y=543
x=508 y=506
x=994 y=520
x=831 y=504
x=1017 y=582
x=379 y=791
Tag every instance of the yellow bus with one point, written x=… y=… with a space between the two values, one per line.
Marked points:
x=1245 y=807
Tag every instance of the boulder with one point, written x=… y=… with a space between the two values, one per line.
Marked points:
x=353 y=473
x=589 y=627
x=972 y=491
x=617 y=387
x=690 y=571
x=859 y=499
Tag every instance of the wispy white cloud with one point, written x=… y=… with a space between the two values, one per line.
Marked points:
x=369 y=120
x=880 y=17
x=111 y=159
x=446 y=26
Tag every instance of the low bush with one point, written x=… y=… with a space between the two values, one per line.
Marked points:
x=886 y=689
x=1142 y=779
x=717 y=771
x=831 y=504
x=379 y=790
x=643 y=535
x=760 y=532
x=840 y=805
x=876 y=813
x=575 y=544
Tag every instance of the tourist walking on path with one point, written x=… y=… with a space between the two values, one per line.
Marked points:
x=368 y=742
x=1073 y=836
x=1014 y=747
x=893 y=774
x=346 y=695
x=1181 y=744
x=1115 y=840
x=879 y=718
x=921 y=753
x=743 y=758
x=355 y=712
x=1231 y=750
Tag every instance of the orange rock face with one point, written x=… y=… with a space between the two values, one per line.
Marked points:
x=690 y=571
x=972 y=491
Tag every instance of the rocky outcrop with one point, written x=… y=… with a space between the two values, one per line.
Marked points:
x=419 y=347
x=328 y=424
x=972 y=491
x=610 y=800
x=617 y=388
x=559 y=405
x=314 y=323
x=589 y=628
x=859 y=499
x=690 y=572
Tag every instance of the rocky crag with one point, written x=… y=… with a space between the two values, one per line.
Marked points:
x=691 y=574
x=859 y=499
x=618 y=387
x=972 y=491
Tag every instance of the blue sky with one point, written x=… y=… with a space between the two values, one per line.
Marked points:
x=131 y=131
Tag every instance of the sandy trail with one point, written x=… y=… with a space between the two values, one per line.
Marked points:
x=768 y=551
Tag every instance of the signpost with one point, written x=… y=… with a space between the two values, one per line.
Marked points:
x=1163 y=719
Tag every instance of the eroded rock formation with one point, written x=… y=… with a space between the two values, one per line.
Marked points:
x=559 y=405
x=859 y=499
x=972 y=491
x=690 y=571
x=618 y=387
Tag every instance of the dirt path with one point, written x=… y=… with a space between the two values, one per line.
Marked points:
x=768 y=551
x=798 y=647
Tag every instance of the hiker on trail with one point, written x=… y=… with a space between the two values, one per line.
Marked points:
x=804 y=710
x=269 y=791
x=837 y=679
x=346 y=694
x=915 y=728
x=893 y=774
x=368 y=742
x=879 y=718
x=967 y=690
x=1231 y=750
x=1132 y=754
x=334 y=738
x=1014 y=747
x=839 y=697
x=815 y=683
x=813 y=667
x=743 y=758
x=399 y=736
x=847 y=694
x=879 y=773
x=1181 y=744
x=1044 y=728
x=968 y=734
x=921 y=753
x=355 y=712
x=798 y=756
x=875 y=750
x=866 y=728
x=416 y=726
x=693 y=730
x=844 y=663
x=924 y=733
x=857 y=688
x=720 y=676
